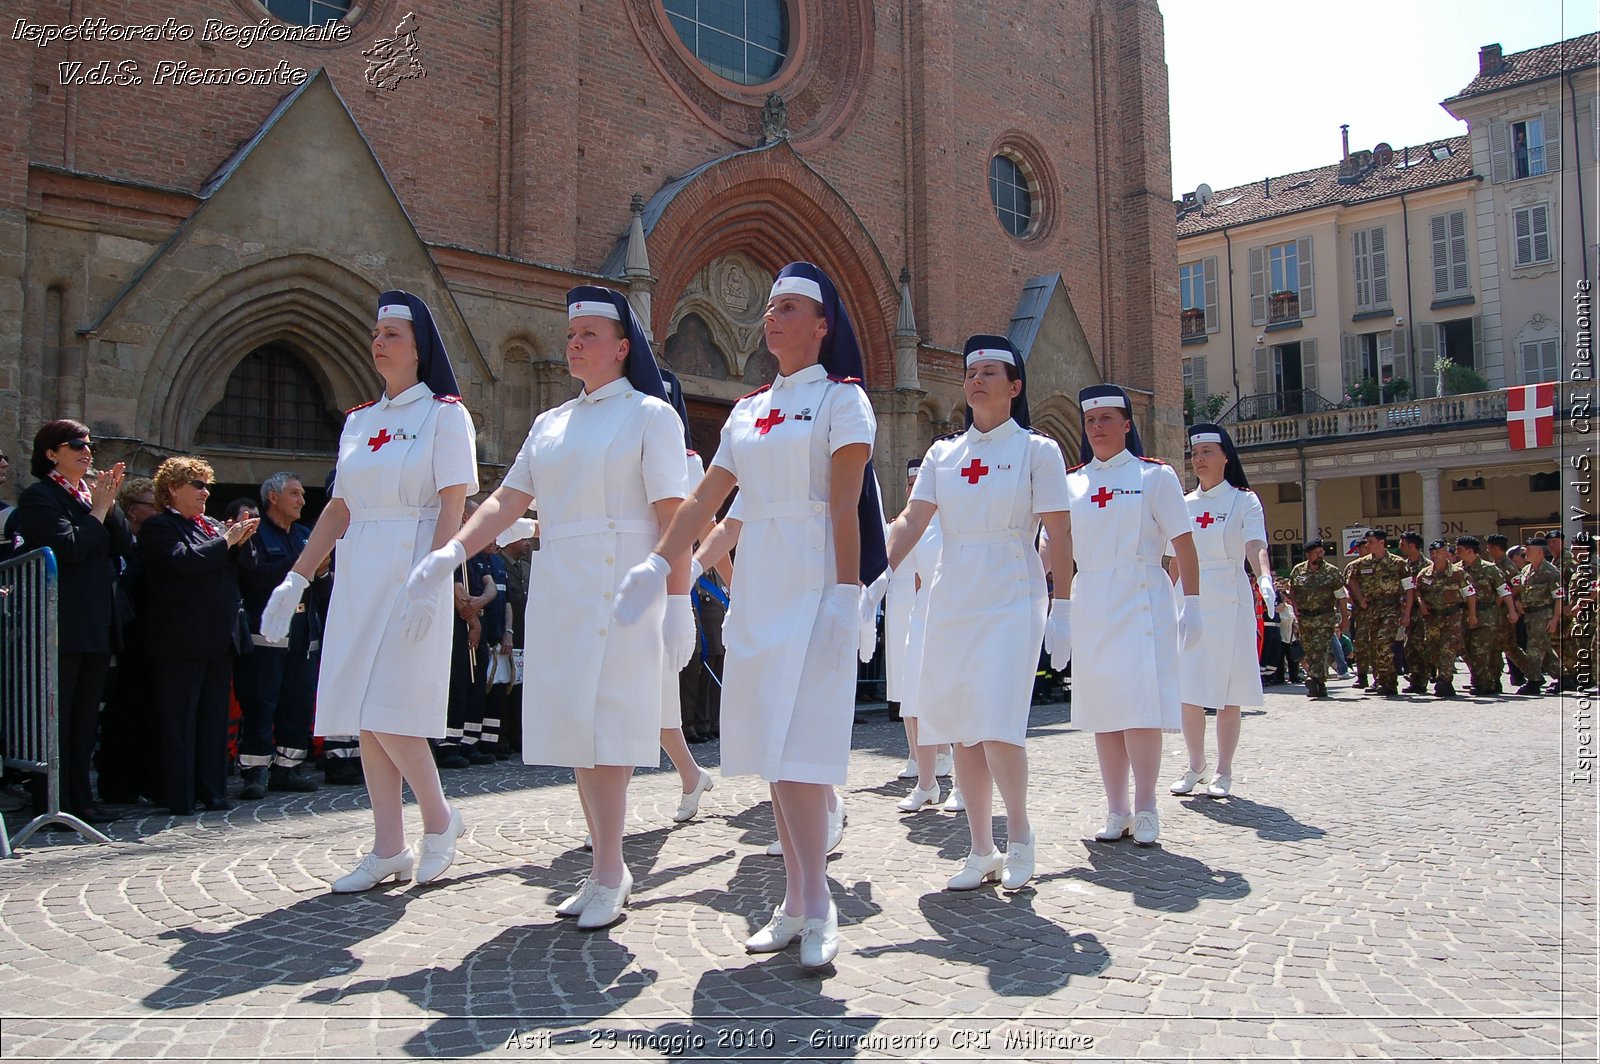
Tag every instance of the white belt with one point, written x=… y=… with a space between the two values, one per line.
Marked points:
x=1004 y=535
x=1239 y=565
x=393 y=513
x=750 y=510
x=1135 y=562
x=596 y=527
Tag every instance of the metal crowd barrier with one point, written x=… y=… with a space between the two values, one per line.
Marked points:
x=30 y=709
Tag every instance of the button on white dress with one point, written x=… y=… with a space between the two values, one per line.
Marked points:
x=905 y=619
x=787 y=707
x=1124 y=618
x=395 y=456
x=1222 y=669
x=986 y=606
x=595 y=466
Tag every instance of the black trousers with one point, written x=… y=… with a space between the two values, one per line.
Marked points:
x=192 y=717
x=127 y=753
x=469 y=676
x=277 y=689
x=82 y=685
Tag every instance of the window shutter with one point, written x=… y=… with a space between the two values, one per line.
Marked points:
x=1522 y=235
x=1379 y=267
x=1308 y=305
x=1427 y=347
x=1258 y=287
x=1308 y=366
x=1499 y=152
x=1359 y=256
x=1350 y=358
x=1460 y=275
x=1477 y=343
x=1402 y=353
x=1213 y=319
x=1439 y=227
x=1550 y=127
x=1264 y=371
x=1197 y=374
x=1539 y=223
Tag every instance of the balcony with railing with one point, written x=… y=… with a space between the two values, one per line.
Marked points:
x=1194 y=322
x=1283 y=306
x=1303 y=417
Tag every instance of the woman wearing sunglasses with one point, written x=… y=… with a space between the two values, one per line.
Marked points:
x=73 y=512
x=192 y=620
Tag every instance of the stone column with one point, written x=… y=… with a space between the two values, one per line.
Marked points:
x=1313 y=521
x=1432 y=520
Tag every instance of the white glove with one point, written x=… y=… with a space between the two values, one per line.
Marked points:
x=279 y=614
x=643 y=586
x=1058 y=633
x=435 y=569
x=1269 y=594
x=678 y=632
x=1189 y=625
x=696 y=571
x=416 y=617
x=839 y=620
x=871 y=596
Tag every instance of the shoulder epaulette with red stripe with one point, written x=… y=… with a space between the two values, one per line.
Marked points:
x=758 y=391
x=363 y=406
x=1152 y=461
x=691 y=452
x=448 y=398
x=948 y=436
x=1074 y=469
x=844 y=380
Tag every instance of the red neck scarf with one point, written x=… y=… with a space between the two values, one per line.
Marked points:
x=202 y=522
x=79 y=491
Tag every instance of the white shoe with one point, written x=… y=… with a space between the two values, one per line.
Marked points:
x=955 y=803
x=1117 y=825
x=944 y=764
x=777 y=933
x=1220 y=787
x=836 y=819
x=919 y=798
x=689 y=804
x=438 y=851
x=1186 y=783
x=573 y=905
x=910 y=771
x=819 y=940
x=1146 y=826
x=374 y=870
x=775 y=848
x=1019 y=863
x=588 y=842
x=606 y=904
x=979 y=869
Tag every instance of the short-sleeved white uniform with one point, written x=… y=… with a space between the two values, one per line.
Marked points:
x=905 y=618
x=986 y=606
x=595 y=465
x=395 y=456
x=671 y=693
x=1124 y=618
x=1223 y=668
x=787 y=705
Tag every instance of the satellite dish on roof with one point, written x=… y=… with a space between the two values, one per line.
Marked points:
x=1203 y=195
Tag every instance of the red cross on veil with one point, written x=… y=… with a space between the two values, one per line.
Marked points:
x=974 y=471
x=380 y=439
x=764 y=424
x=1101 y=497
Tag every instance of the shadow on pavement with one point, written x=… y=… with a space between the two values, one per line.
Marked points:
x=1270 y=822
x=1157 y=878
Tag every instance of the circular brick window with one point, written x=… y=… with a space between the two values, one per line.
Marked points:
x=1021 y=186
x=307 y=12
x=744 y=41
x=1012 y=194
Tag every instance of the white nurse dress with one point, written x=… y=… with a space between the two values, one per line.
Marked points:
x=787 y=702
x=395 y=456
x=1223 y=668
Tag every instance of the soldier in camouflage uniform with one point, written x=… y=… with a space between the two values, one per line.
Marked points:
x=1419 y=666
x=1444 y=595
x=1381 y=587
x=1566 y=640
x=1539 y=597
x=1321 y=609
x=1497 y=610
x=1517 y=635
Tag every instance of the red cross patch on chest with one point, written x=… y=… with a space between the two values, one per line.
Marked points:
x=766 y=424
x=974 y=471
x=1103 y=496
x=380 y=439
x=1207 y=519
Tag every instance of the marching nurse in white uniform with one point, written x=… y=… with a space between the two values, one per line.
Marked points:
x=407 y=463
x=1125 y=509
x=1222 y=671
x=607 y=471
x=798 y=451
x=991 y=485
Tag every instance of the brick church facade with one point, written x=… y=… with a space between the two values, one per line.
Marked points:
x=191 y=266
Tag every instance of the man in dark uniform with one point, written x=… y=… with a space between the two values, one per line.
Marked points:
x=474 y=590
x=505 y=700
x=276 y=685
x=1321 y=609
x=1418 y=666
x=1497 y=610
x=1381 y=585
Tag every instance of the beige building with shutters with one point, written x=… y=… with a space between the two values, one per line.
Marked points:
x=1318 y=310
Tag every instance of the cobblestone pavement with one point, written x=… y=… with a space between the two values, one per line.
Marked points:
x=1394 y=879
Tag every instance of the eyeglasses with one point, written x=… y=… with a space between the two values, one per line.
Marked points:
x=78 y=445
x=200 y=485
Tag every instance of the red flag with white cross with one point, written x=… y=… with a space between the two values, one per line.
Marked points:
x=1531 y=415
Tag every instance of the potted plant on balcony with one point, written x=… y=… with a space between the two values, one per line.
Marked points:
x=1397 y=390
x=1363 y=392
x=1457 y=379
x=1194 y=321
